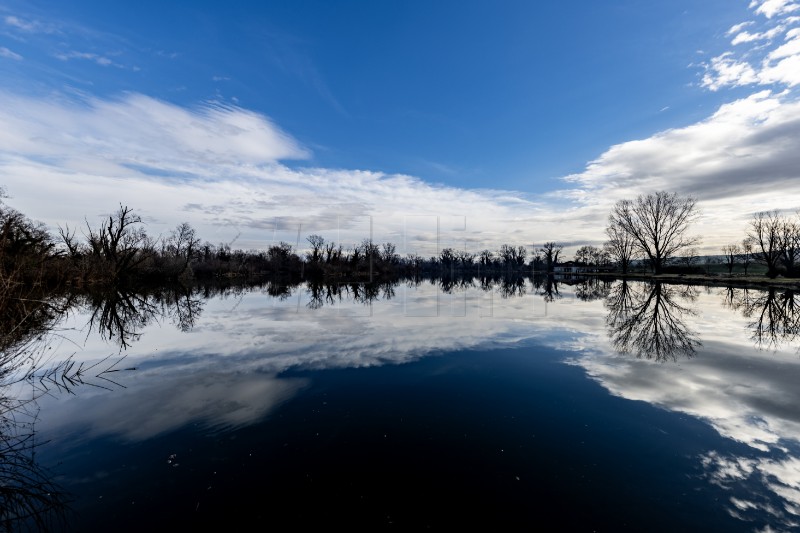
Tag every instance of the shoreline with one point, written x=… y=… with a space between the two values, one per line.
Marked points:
x=723 y=280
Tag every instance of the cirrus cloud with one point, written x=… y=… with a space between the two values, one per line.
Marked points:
x=8 y=54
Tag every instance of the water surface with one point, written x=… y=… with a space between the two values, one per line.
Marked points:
x=599 y=406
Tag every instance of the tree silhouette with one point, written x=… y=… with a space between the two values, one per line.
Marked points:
x=620 y=246
x=732 y=253
x=550 y=252
x=765 y=234
x=657 y=223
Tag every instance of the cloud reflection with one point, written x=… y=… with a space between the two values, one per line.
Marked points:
x=693 y=356
x=155 y=405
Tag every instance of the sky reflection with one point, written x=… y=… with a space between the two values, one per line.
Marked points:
x=687 y=350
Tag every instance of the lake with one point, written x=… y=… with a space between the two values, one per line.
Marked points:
x=497 y=404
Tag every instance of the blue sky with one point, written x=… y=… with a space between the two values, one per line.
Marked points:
x=524 y=111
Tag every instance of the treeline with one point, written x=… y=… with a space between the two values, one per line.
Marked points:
x=773 y=240
x=653 y=229
x=650 y=230
x=119 y=251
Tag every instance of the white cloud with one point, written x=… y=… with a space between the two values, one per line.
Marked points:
x=29 y=26
x=746 y=37
x=764 y=62
x=101 y=60
x=139 y=130
x=772 y=8
x=790 y=49
x=736 y=28
x=219 y=168
x=725 y=71
x=747 y=149
x=5 y=52
x=784 y=71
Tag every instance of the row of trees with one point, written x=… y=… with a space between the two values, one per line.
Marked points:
x=772 y=239
x=119 y=251
x=653 y=228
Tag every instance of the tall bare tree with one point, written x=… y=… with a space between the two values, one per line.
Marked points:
x=790 y=244
x=121 y=242
x=732 y=253
x=765 y=233
x=658 y=224
x=747 y=254
x=592 y=255
x=620 y=245
x=317 y=243
x=182 y=244
x=550 y=252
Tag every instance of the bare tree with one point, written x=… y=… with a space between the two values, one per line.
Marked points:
x=317 y=243
x=414 y=260
x=485 y=258
x=182 y=244
x=550 y=252
x=388 y=254
x=747 y=254
x=465 y=258
x=512 y=256
x=689 y=258
x=765 y=234
x=620 y=245
x=584 y=254
x=658 y=224
x=592 y=255
x=732 y=253
x=121 y=242
x=520 y=256
x=790 y=244
x=448 y=257
x=74 y=247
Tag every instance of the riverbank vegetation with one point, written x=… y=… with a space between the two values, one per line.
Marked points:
x=648 y=236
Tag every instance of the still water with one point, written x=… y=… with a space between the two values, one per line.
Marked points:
x=504 y=405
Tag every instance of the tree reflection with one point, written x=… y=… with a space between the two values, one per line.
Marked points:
x=322 y=294
x=774 y=314
x=451 y=284
x=507 y=286
x=120 y=315
x=29 y=498
x=647 y=320
x=26 y=492
x=547 y=287
x=28 y=495
x=593 y=289
x=183 y=307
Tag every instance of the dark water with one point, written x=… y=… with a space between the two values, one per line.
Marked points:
x=597 y=407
